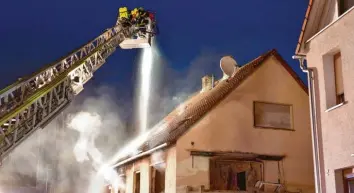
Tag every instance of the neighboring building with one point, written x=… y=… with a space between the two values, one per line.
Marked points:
x=327 y=43
x=251 y=129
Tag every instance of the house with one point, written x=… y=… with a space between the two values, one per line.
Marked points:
x=326 y=45
x=250 y=131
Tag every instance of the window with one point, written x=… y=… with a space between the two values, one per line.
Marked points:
x=137 y=182
x=157 y=178
x=333 y=79
x=344 y=179
x=344 y=5
x=337 y=60
x=270 y=115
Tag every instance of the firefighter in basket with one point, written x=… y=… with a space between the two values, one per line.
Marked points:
x=124 y=16
x=137 y=16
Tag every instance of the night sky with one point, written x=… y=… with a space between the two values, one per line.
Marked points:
x=37 y=32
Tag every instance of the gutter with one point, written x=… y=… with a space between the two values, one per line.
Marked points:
x=302 y=34
x=313 y=117
x=139 y=155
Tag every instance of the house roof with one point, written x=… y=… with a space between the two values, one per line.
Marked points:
x=301 y=38
x=182 y=118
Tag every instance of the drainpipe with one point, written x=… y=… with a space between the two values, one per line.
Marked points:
x=313 y=116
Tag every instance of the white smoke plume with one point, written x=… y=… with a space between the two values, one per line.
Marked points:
x=58 y=159
x=88 y=125
x=157 y=159
x=62 y=157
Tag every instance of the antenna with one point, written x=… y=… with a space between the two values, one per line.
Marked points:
x=228 y=65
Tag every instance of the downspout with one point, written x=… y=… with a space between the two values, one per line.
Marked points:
x=313 y=117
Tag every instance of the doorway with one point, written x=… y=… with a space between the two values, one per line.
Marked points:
x=137 y=182
x=157 y=179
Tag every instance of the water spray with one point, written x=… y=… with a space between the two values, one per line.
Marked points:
x=146 y=64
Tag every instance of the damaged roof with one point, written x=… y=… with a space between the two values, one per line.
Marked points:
x=183 y=117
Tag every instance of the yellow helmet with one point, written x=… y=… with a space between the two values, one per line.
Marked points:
x=134 y=11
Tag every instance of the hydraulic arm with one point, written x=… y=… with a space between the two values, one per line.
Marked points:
x=32 y=102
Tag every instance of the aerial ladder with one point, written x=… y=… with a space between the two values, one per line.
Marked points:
x=32 y=102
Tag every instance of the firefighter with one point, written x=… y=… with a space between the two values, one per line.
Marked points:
x=134 y=15
x=142 y=17
x=151 y=16
x=142 y=12
x=124 y=16
x=123 y=13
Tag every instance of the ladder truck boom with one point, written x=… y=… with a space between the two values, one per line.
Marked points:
x=33 y=101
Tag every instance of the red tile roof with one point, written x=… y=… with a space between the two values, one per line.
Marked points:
x=176 y=124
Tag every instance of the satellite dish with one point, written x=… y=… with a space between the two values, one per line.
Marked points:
x=228 y=65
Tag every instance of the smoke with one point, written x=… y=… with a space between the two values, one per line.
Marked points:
x=157 y=160
x=72 y=152
x=173 y=86
x=88 y=125
x=65 y=156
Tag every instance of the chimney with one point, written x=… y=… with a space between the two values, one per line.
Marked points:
x=207 y=82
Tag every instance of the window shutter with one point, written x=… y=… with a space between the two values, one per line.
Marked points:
x=338 y=74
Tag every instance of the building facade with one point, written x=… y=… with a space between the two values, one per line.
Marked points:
x=248 y=133
x=326 y=46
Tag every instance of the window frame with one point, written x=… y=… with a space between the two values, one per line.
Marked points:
x=333 y=100
x=274 y=128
